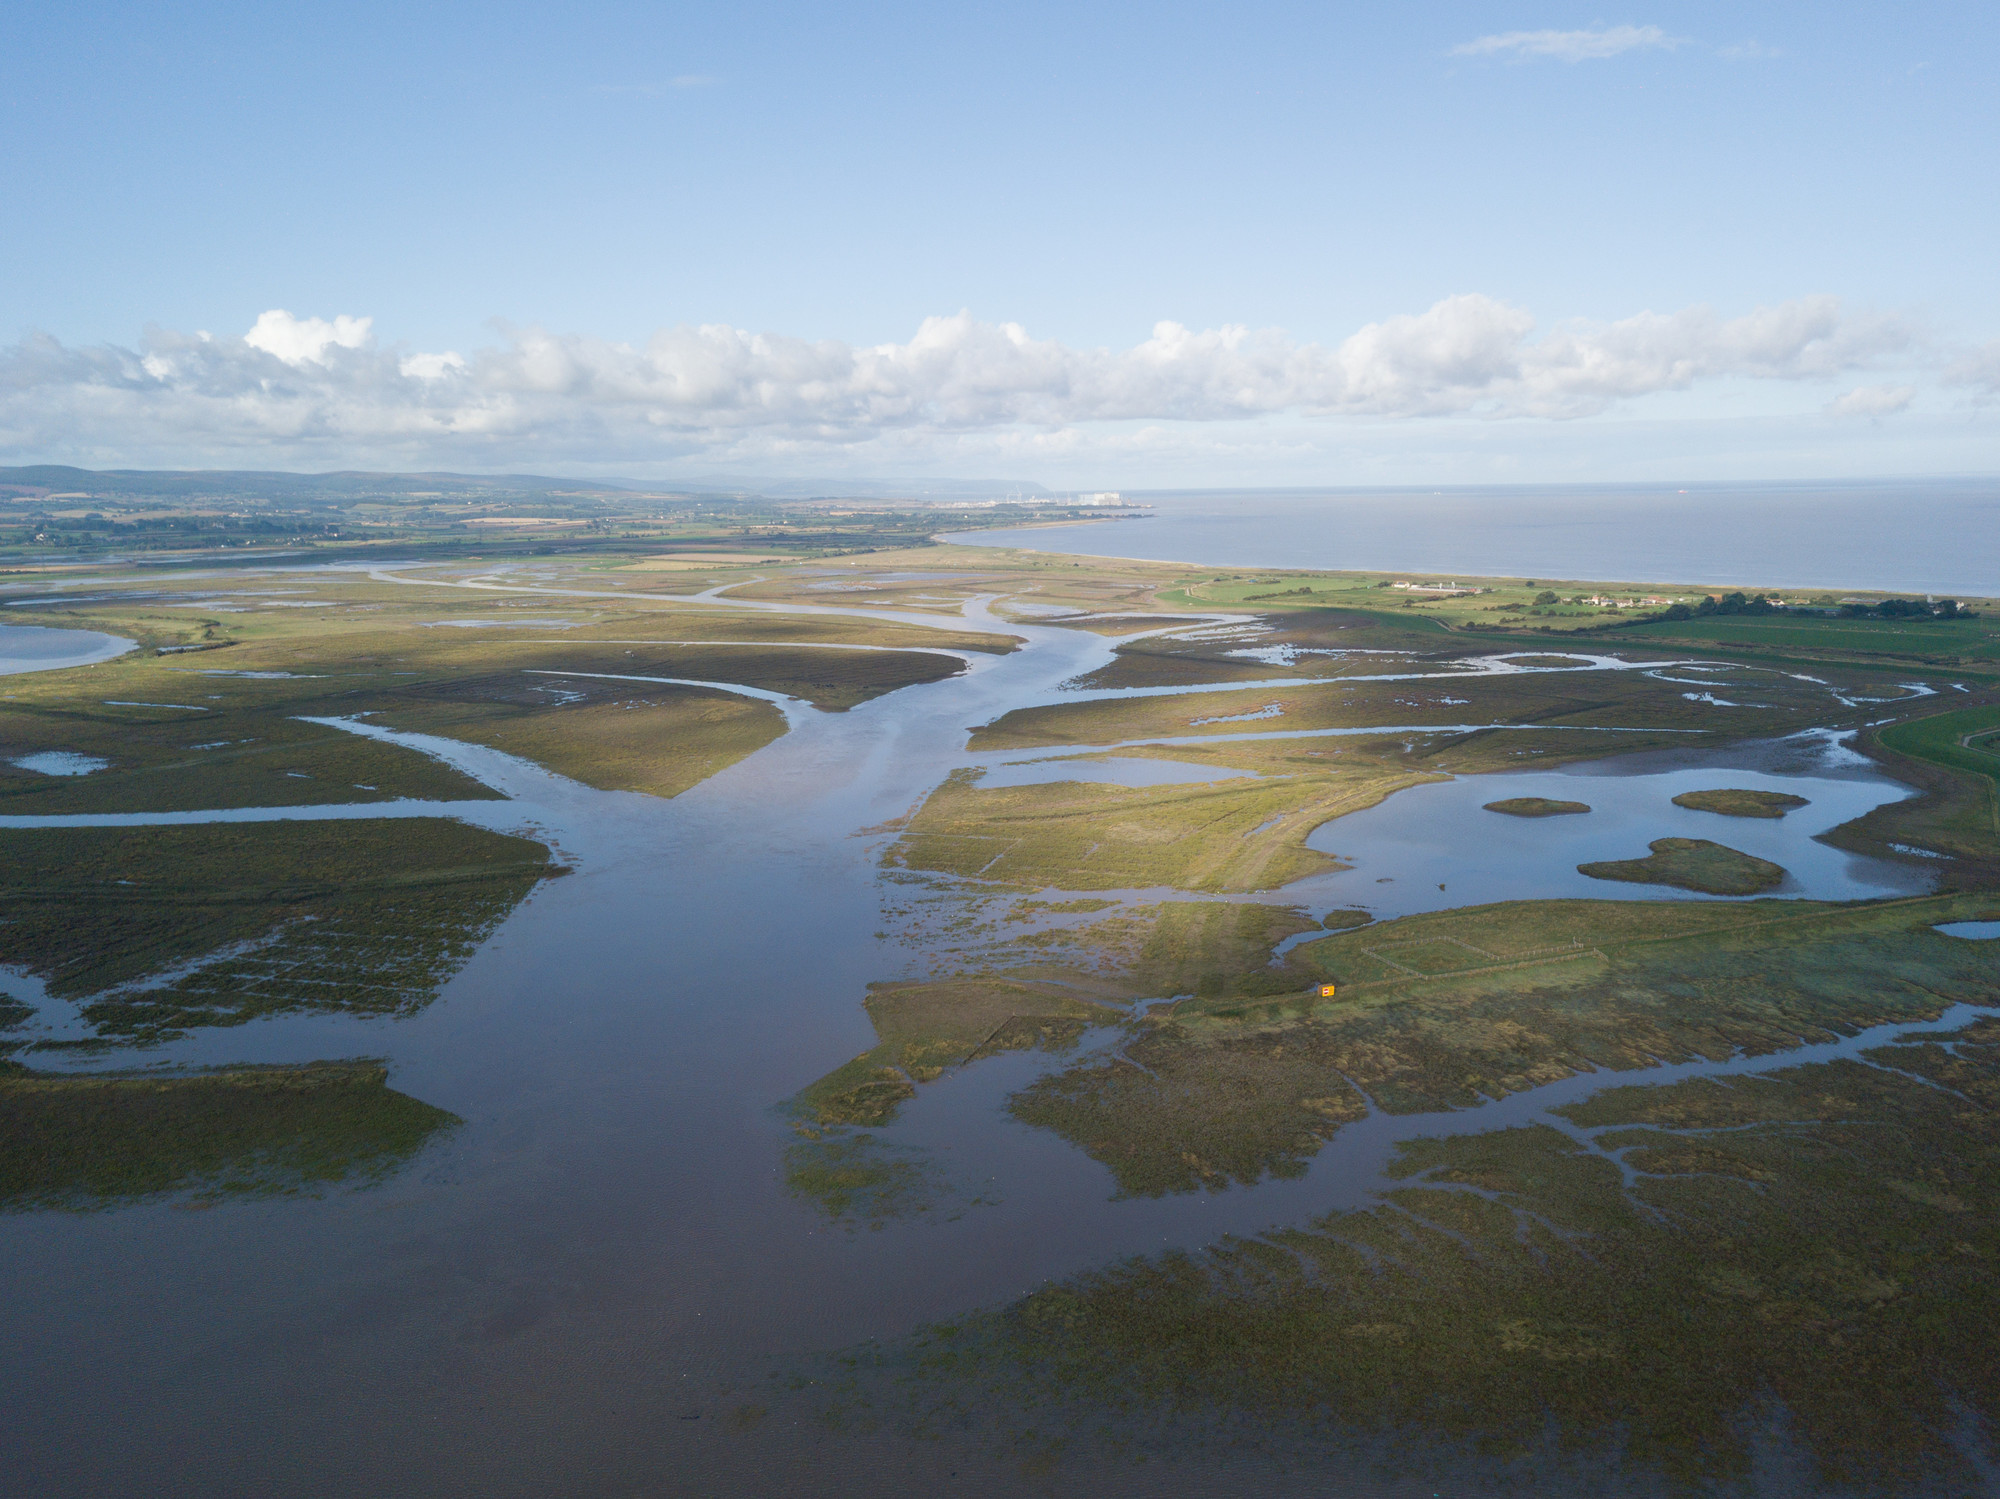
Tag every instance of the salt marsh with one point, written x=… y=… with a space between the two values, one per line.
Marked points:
x=628 y=1047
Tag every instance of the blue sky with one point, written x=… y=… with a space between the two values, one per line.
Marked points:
x=527 y=202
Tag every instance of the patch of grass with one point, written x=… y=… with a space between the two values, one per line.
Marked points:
x=1537 y=806
x=157 y=930
x=1583 y=699
x=169 y=761
x=665 y=625
x=1176 y=947
x=1232 y=835
x=616 y=736
x=79 y=1142
x=1693 y=864
x=1736 y=802
x=858 y=1180
x=924 y=1028
x=1314 y=634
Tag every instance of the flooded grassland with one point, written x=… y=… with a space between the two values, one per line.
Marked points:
x=1131 y=1027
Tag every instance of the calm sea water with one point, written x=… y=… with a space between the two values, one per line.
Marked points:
x=1920 y=536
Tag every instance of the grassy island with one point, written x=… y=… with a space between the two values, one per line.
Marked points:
x=1537 y=806
x=1693 y=864
x=1740 y=803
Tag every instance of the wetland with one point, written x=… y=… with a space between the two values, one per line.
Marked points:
x=609 y=1024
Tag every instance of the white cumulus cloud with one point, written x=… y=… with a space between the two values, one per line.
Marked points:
x=306 y=387
x=430 y=366
x=1568 y=46
x=305 y=340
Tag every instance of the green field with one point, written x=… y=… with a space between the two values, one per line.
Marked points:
x=1975 y=642
x=1942 y=739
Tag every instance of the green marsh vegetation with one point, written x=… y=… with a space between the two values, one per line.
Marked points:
x=1693 y=864
x=1737 y=802
x=1511 y=1278
x=1444 y=1010
x=922 y=1029
x=1806 y=1242
x=154 y=931
x=1240 y=1069
x=1498 y=608
x=615 y=736
x=1537 y=806
x=859 y=1180
x=84 y=1141
x=1582 y=699
x=224 y=749
x=668 y=624
x=1310 y=638
x=1814 y=1244
x=231 y=736
x=1231 y=835
x=1056 y=994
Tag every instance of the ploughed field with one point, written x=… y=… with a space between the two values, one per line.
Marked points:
x=1627 y=1174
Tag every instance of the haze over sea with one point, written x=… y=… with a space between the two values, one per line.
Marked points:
x=1937 y=536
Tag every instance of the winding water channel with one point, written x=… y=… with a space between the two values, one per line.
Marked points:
x=613 y=1208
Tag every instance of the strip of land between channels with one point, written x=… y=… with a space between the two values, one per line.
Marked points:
x=1566 y=954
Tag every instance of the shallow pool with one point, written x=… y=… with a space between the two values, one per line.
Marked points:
x=38 y=648
x=1436 y=846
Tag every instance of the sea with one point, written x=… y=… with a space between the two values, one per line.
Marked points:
x=1917 y=536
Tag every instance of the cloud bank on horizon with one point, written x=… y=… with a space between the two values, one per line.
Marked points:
x=316 y=389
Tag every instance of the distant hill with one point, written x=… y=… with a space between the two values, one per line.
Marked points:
x=54 y=478
x=346 y=485
x=857 y=489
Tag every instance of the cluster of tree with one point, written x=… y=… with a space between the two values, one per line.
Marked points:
x=1737 y=603
x=1908 y=609
x=149 y=532
x=1729 y=603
